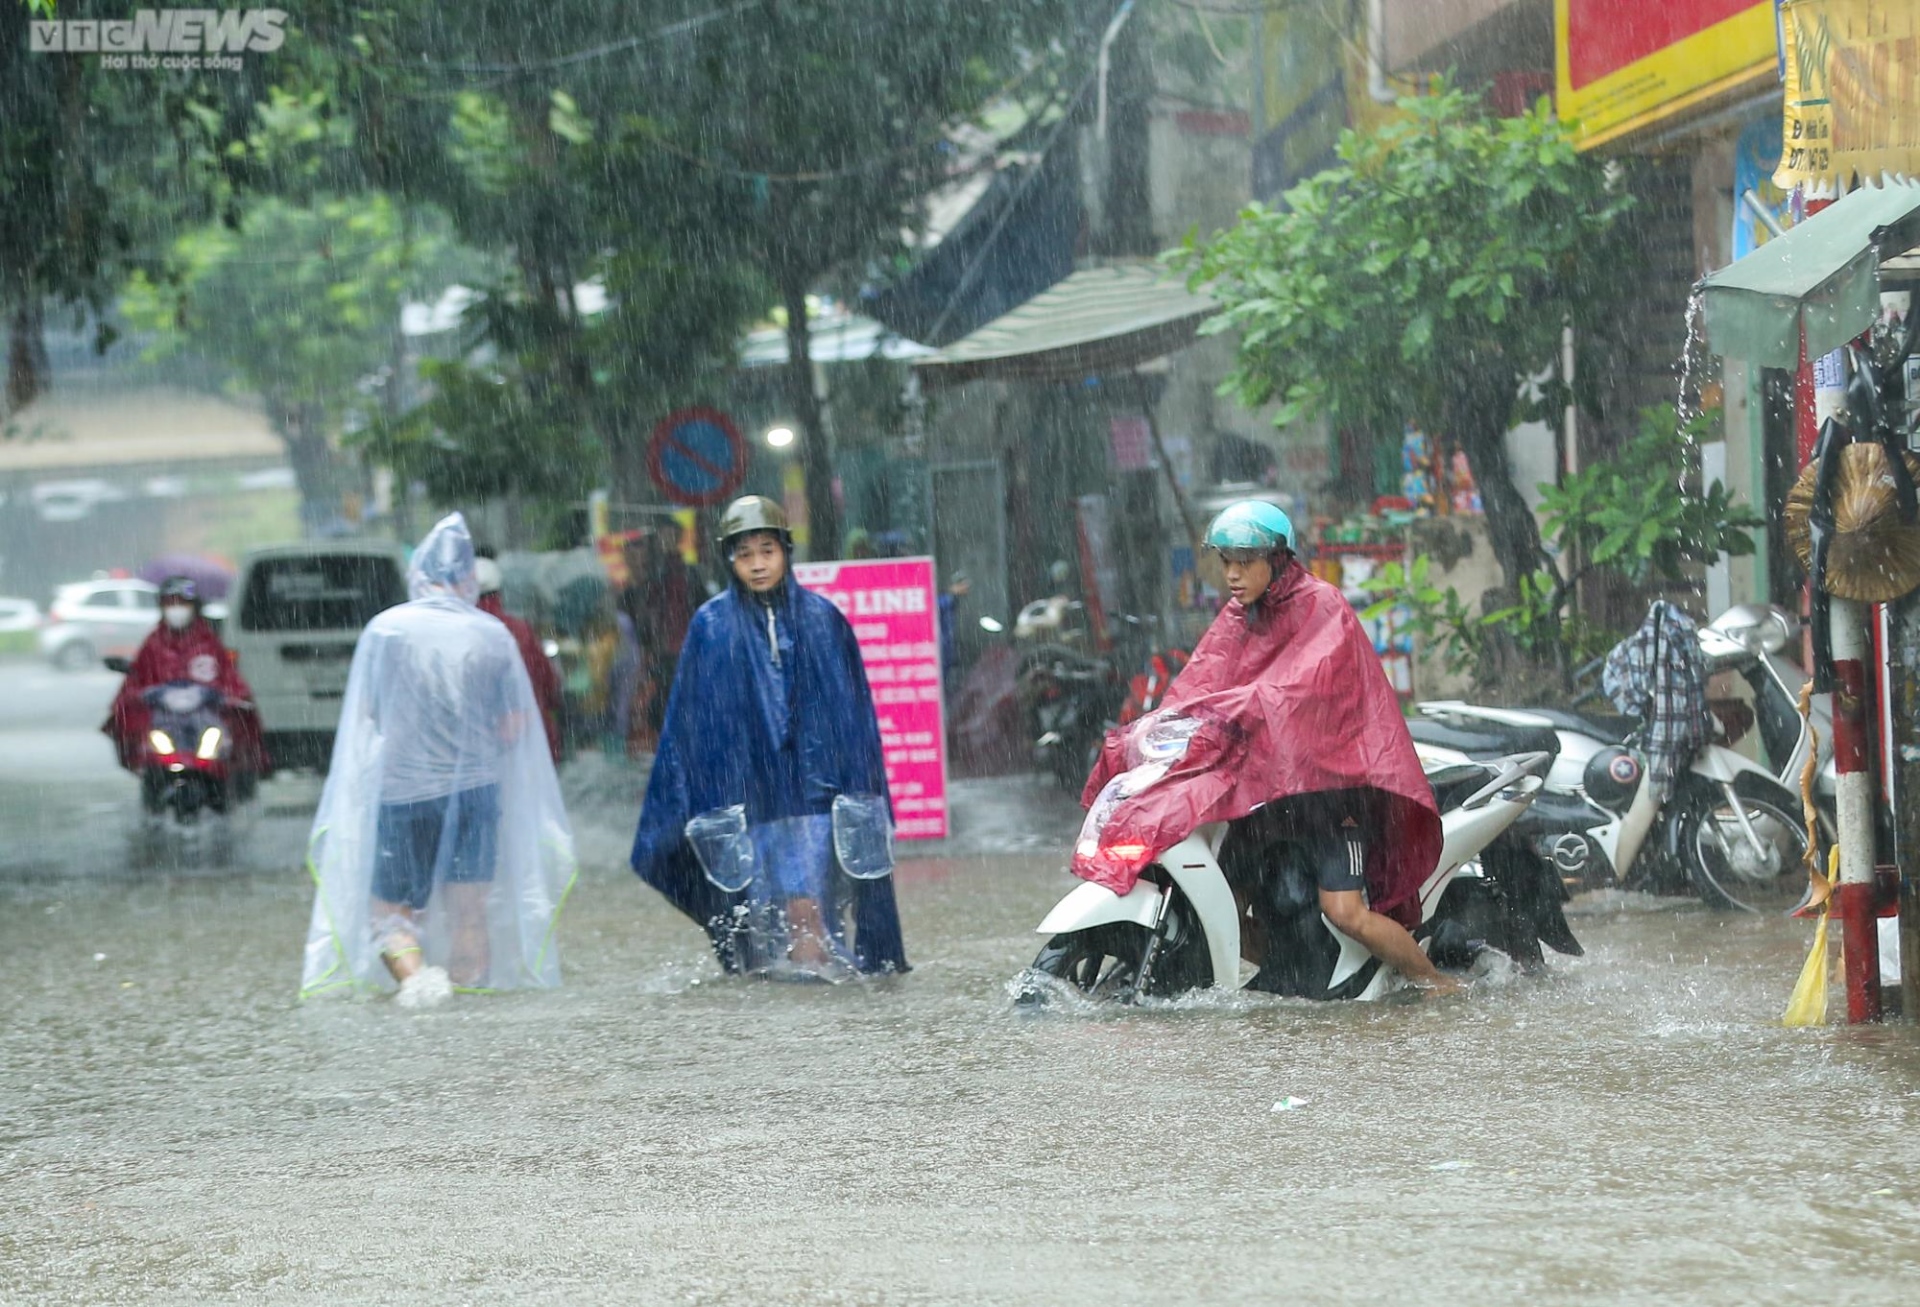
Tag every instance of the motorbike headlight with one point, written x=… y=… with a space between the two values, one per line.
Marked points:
x=161 y=741
x=209 y=744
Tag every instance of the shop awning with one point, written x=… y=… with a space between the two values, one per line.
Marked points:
x=1098 y=320
x=1824 y=272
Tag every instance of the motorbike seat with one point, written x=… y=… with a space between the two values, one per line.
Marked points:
x=1453 y=784
x=1484 y=740
x=1609 y=727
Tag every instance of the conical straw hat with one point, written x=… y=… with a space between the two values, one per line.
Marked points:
x=1874 y=557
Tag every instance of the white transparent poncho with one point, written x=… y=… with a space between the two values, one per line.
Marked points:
x=441 y=799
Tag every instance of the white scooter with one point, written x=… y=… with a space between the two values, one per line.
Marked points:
x=1179 y=928
x=1731 y=829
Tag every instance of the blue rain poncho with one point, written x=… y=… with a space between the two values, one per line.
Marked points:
x=441 y=796
x=769 y=722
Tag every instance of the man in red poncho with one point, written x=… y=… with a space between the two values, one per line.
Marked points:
x=1300 y=720
x=546 y=682
x=185 y=647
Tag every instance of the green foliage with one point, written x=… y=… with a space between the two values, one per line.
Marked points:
x=1423 y=277
x=483 y=435
x=1443 y=237
x=1635 y=515
x=300 y=305
x=1437 y=618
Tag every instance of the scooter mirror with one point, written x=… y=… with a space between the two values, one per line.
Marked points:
x=1761 y=628
x=115 y=663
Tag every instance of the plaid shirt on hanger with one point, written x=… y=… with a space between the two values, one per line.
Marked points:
x=1656 y=675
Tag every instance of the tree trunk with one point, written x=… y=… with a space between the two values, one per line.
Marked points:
x=311 y=456
x=26 y=355
x=1479 y=423
x=816 y=460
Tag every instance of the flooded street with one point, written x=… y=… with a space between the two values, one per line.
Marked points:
x=175 y=1127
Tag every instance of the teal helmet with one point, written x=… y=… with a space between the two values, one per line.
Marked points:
x=1251 y=526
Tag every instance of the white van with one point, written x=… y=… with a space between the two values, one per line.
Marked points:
x=297 y=611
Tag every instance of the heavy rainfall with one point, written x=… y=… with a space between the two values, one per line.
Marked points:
x=869 y=651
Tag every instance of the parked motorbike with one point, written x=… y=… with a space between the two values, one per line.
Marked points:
x=1731 y=831
x=1179 y=929
x=1073 y=698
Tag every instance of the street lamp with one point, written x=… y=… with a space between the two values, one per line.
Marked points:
x=780 y=437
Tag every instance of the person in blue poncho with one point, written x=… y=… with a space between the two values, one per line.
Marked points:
x=767 y=818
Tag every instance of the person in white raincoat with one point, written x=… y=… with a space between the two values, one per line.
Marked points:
x=441 y=853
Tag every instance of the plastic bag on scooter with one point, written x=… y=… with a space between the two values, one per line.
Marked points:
x=720 y=842
x=863 y=835
x=1154 y=745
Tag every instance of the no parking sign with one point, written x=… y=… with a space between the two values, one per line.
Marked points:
x=697 y=457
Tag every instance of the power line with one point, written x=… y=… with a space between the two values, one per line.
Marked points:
x=589 y=54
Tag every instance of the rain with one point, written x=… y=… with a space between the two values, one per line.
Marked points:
x=869 y=651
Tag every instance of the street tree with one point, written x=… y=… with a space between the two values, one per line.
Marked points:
x=299 y=305
x=807 y=130
x=99 y=169
x=608 y=301
x=1426 y=277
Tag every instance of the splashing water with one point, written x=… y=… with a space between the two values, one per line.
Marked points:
x=1686 y=405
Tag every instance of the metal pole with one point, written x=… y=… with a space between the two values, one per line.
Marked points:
x=1852 y=756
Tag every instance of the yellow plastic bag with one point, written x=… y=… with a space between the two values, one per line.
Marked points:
x=1808 y=1006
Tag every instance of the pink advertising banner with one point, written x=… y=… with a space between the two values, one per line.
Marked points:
x=891 y=605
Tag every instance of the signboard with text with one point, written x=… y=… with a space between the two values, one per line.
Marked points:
x=1852 y=94
x=890 y=603
x=1620 y=68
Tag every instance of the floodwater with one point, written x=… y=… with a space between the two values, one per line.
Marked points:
x=174 y=1126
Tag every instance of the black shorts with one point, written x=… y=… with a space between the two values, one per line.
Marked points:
x=1339 y=860
x=454 y=838
x=1328 y=832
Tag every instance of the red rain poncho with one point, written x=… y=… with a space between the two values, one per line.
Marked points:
x=192 y=654
x=1295 y=702
x=546 y=683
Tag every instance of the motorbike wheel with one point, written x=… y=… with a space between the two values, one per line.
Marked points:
x=1723 y=865
x=1104 y=962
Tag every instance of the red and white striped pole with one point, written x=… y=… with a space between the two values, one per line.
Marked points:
x=1852 y=759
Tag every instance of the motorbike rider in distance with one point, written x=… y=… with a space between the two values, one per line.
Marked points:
x=1312 y=747
x=185 y=647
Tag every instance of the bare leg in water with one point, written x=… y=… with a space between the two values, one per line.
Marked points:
x=806 y=933
x=467 y=905
x=1385 y=938
x=399 y=940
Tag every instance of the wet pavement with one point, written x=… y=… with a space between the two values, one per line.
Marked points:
x=175 y=1127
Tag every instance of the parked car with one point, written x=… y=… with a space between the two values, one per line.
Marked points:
x=20 y=621
x=296 y=614
x=91 y=620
